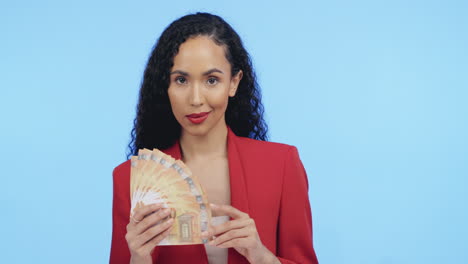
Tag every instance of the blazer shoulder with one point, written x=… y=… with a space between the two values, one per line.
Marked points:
x=122 y=169
x=265 y=147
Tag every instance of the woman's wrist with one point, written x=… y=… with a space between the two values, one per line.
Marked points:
x=141 y=260
x=265 y=257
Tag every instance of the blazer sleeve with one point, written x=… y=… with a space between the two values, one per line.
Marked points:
x=119 y=253
x=295 y=244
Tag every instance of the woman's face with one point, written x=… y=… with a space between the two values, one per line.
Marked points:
x=200 y=85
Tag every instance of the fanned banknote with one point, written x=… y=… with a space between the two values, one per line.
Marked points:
x=158 y=178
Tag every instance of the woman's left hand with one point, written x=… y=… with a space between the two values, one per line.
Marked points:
x=240 y=234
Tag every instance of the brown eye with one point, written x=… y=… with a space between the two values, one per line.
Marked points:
x=212 y=81
x=180 y=80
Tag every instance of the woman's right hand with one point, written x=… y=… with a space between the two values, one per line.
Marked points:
x=144 y=232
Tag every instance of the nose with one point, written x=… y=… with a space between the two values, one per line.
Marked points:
x=196 y=97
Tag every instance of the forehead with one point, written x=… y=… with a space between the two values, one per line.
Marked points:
x=199 y=54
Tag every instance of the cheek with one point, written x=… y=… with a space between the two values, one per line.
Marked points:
x=174 y=100
x=219 y=104
x=220 y=98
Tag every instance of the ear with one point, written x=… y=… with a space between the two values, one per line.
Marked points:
x=235 y=80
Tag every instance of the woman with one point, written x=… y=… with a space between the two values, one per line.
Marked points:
x=199 y=102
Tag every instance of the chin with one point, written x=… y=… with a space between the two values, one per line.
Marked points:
x=196 y=130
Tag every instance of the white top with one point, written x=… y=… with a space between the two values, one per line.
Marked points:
x=217 y=255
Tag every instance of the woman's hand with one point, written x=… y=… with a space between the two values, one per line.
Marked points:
x=144 y=231
x=240 y=234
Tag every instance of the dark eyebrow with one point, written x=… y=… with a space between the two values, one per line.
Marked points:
x=180 y=72
x=205 y=73
x=212 y=71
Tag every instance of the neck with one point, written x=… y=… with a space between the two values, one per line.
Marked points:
x=213 y=144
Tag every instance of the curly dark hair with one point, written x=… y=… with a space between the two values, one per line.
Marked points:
x=155 y=125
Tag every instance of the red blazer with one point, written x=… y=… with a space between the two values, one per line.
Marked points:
x=268 y=182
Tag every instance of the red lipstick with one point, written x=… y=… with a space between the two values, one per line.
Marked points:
x=197 y=118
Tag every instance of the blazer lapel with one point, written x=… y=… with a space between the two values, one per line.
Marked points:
x=236 y=174
x=238 y=188
x=174 y=151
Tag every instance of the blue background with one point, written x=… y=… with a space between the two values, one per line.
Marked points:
x=373 y=93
